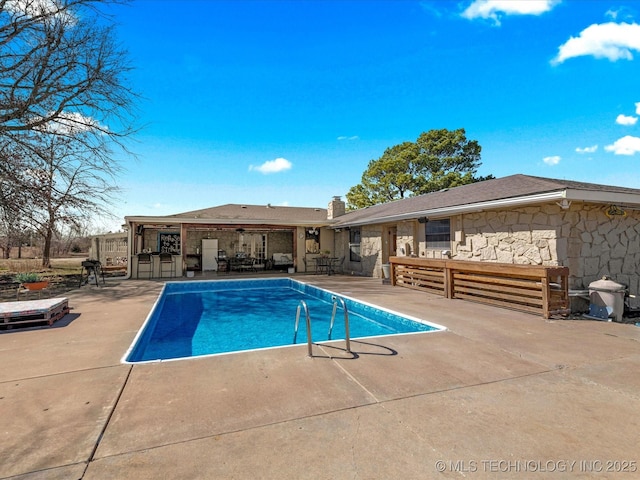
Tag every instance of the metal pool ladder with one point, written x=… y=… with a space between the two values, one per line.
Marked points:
x=346 y=320
x=302 y=305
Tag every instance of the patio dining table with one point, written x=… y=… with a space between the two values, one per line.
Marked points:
x=326 y=265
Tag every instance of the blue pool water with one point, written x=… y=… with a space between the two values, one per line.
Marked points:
x=212 y=317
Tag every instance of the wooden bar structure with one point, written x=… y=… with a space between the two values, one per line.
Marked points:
x=533 y=289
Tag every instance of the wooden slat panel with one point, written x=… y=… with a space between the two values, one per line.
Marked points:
x=530 y=284
x=420 y=279
x=502 y=297
x=424 y=273
x=424 y=288
x=417 y=275
x=497 y=287
x=498 y=303
x=530 y=288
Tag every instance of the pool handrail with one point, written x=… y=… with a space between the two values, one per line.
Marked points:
x=303 y=304
x=337 y=299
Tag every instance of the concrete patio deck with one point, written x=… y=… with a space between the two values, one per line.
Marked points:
x=501 y=394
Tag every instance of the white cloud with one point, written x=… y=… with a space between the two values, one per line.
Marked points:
x=626 y=120
x=554 y=160
x=46 y=9
x=620 y=14
x=273 y=166
x=614 y=41
x=638 y=108
x=587 y=149
x=70 y=123
x=624 y=146
x=494 y=9
x=344 y=137
x=430 y=8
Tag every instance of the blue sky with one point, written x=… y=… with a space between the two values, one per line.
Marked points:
x=286 y=102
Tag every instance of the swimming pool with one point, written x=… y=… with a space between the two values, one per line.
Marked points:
x=199 y=318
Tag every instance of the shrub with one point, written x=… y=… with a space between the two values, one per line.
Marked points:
x=29 y=277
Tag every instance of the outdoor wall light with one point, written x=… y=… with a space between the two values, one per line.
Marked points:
x=615 y=211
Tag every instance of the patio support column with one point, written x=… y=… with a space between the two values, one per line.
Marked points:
x=183 y=250
x=295 y=248
x=130 y=248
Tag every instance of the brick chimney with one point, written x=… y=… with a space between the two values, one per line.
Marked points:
x=336 y=208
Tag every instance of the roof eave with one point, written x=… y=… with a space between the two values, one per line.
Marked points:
x=588 y=196
x=458 y=209
x=224 y=221
x=592 y=196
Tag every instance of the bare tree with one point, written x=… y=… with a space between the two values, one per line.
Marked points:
x=65 y=105
x=58 y=63
x=68 y=181
x=12 y=198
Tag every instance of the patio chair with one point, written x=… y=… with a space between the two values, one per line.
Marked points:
x=147 y=260
x=322 y=265
x=167 y=260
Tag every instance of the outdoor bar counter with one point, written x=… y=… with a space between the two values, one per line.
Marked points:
x=157 y=268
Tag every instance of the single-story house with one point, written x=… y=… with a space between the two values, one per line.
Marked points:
x=520 y=219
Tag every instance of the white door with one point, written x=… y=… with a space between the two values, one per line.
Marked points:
x=209 y=254
x=257 y=243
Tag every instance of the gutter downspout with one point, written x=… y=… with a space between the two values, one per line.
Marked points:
x=129 y=249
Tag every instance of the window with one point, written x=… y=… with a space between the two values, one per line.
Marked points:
x=312 y=240
x=438 y=234
x=354 y=245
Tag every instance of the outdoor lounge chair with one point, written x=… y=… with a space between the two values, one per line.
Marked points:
x=282 y=260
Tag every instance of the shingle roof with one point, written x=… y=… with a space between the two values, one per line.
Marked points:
x=480 y=193
x=487 y=191
x=264 y=213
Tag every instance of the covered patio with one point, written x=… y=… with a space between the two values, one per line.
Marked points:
x=227 y=238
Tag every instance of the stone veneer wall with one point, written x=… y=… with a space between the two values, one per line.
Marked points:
x=599 y=245
x=405 y=235
x=582 y=237
x=370 y=251
x=523 y=236
x=279 y=242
